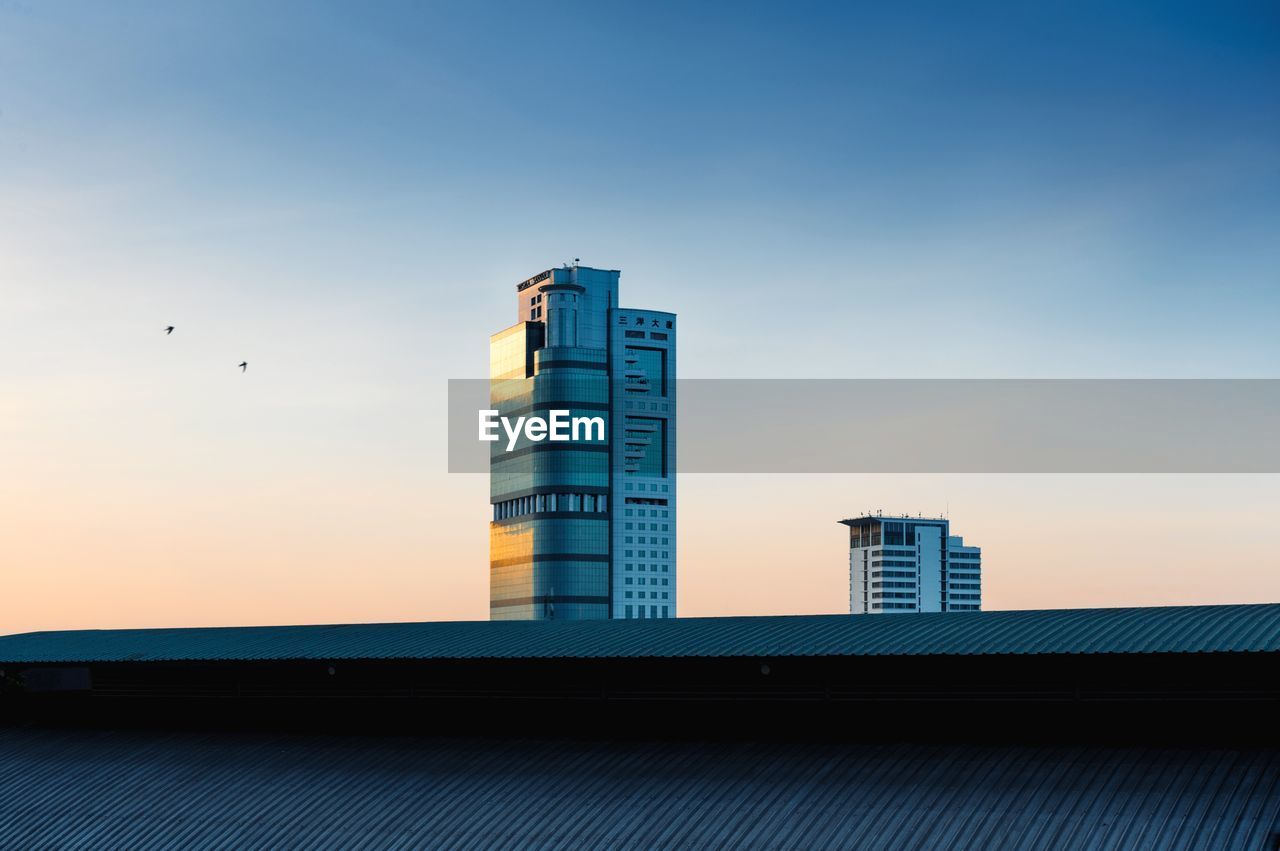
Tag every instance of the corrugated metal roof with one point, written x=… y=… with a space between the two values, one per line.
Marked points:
x=138 y=789
x=1175 y=629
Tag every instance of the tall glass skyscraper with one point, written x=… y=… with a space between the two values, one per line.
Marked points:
x=584 y=529
x=911 y=564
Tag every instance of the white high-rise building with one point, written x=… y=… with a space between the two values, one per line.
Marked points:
x=911 y=564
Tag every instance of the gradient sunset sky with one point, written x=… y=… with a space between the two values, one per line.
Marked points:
x=345 y=194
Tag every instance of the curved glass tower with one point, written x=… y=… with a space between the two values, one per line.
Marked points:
x=565 y=540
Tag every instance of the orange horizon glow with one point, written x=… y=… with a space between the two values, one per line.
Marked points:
x=312 y=550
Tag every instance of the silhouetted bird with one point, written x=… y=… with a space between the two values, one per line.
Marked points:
x=244 y=365
x=168 y=330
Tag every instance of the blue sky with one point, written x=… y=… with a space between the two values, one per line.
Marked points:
x=1091 y=190
x=344 y=195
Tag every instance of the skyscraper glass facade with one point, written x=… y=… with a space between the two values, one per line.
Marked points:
x=565 y=538
x=642 y=351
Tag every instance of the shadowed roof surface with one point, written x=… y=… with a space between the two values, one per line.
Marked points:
x=139 y=789
x=1172 y=629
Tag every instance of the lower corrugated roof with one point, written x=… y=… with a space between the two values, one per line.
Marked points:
x=142 y=790
x=1172 y=629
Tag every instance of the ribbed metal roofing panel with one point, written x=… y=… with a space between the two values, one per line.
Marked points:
x=1174 y=629
x=147 y=789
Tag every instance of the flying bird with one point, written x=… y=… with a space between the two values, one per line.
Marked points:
x=168 y=330
x=244 y=365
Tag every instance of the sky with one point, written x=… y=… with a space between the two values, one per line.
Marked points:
x=344 y=195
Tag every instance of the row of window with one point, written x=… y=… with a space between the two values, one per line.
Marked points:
x=653 y=595
x=892 y=595
x=653 y=539
x=903 y=606
x=903 y=533
x=653 y=581
x=587 y=502
x=966 y=596
x=665 y=568
x=954 y=557
x=963 y=607
x=652 y=553
x=953 y=582
x=653 y=527
x=653 y=335
x=639 y=512
x=893 y=563
x=654 y=612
